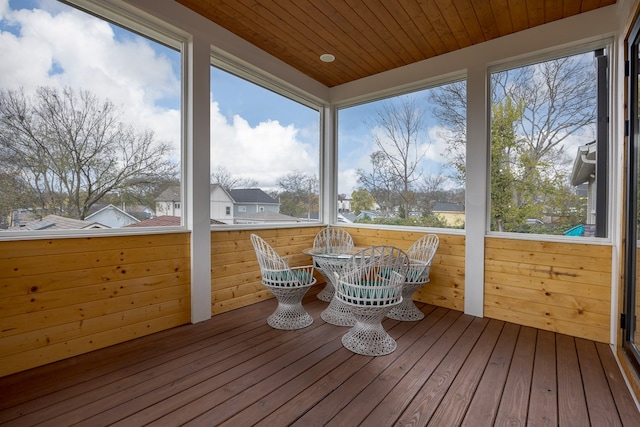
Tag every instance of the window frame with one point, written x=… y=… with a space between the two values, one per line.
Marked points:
x=382 y=95
x=606 y=44
x=130 y=19
x=243 y=70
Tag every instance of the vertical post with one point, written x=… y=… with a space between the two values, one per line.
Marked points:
x=197 y=170
x=477 y=167
x=329 y=166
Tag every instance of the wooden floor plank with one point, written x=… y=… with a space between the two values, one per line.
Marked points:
x=99 y=365
x=543 y=405
x=624 y=401
x=383 y=373
x=602 y=409
x=449 y=369
x=403 y=356
x=457 y=399
x=572 y=406
x=175 y=394
x=486 y=400
x=427 y=400
x=514 y=406
x=433 y=347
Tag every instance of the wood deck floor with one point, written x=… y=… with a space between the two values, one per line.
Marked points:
x=449 y=369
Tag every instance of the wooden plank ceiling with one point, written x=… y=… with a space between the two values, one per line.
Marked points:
x=371 y=36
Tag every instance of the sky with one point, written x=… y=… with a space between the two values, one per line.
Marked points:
x=256 y=134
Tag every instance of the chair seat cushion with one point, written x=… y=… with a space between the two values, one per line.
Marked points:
x=287 y=278
x=370 y=292
x=415 y=273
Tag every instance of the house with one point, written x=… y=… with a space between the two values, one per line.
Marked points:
x=344 y=204
x=584 y=172
x=57 y=222
x=225 y=206
x=570 y=295
x=164 y=221
x=169 y=202
x=247 y=201
x=265 y=217
x=112 y=217
x=451 y=213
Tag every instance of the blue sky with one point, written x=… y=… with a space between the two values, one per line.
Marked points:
x=256 y=134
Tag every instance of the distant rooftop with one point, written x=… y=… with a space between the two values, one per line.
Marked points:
x=56 y=222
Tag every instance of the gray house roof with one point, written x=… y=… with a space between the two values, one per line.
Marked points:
x=251 y=195
x=56 y=222
x=171 y=194
x=241 y=195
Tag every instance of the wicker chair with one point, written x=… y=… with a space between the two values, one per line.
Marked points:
x=420 y=258
x=330 y=239
x=288 y=285
x=371 y=284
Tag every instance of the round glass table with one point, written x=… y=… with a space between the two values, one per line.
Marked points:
x=329 y=260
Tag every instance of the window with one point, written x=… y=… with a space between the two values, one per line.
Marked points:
x=265 y=147
x=107 y=108
x=228 y=210
x=401 y=160
x=176 y=205
x=549 y=139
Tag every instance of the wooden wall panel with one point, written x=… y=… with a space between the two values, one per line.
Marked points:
x=235 y=274
x=64 y=297
x=560 y=287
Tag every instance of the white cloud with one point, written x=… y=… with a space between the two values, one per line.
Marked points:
x=64 y=47
x=263 y=153
x=70 y=48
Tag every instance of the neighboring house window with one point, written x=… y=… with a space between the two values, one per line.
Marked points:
x=549 y=139
x=264 y=137
x=228 y=210
x=127 y=108
x=400 y=156
x=176 y=205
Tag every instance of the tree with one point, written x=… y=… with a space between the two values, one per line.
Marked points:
x=223 y=177
x=535 y=111
x=398 y=129
x=361 y=200
x=299 y=195
x=72 y=149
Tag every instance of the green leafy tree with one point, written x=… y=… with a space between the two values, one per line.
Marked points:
x=361 y=200
x=535 y=110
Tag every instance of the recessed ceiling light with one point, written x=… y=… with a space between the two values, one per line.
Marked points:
x=327 y=57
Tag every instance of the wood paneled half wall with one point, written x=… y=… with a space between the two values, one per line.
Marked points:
x=235 y=274
x=64 y=297
x=560 y=287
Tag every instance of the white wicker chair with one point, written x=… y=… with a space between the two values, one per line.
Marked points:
x=420 y=258
x=288 y=285
x=330 y=239
x=371 y=284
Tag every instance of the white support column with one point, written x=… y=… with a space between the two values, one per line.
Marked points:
x=329 y=165
x=476 y=189
x=197 y=165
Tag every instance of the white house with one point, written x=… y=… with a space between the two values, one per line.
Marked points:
x=112 y=217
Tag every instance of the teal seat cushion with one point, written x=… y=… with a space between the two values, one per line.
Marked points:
x=287 y=278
